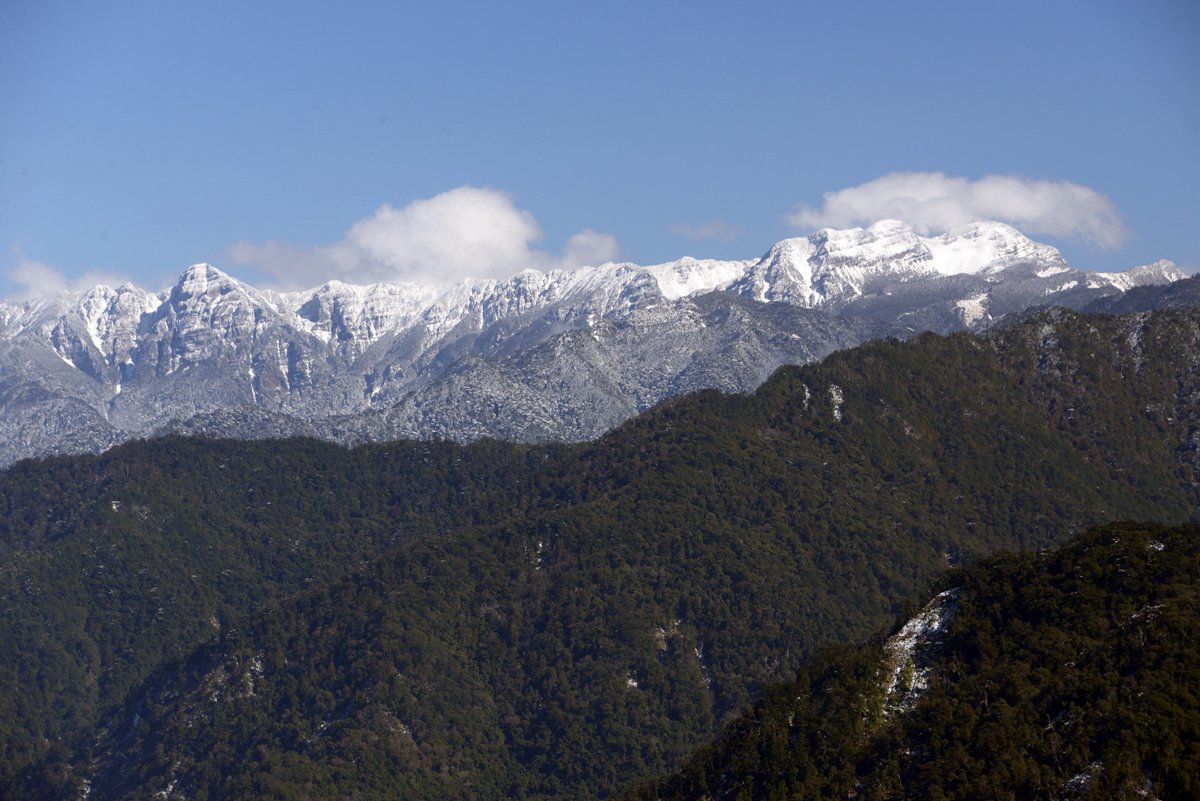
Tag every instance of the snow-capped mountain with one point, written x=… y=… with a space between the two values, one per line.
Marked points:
x=554 y=355
x=835 y=266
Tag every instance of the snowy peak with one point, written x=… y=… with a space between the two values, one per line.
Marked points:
x=204 y=291
x=784 y=273
x=208 y=312
x=829 y=266
x=113 y=318
x=890 y=244
x=1156 y=274
x=845 y=263
x=346 y=313
x=987 y=247
x=582 y=293
x=203 y=279
x=539 y=355
x=689 y=276
x=837 y=265
x=885 y=241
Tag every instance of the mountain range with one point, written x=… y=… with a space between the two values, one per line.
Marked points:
x=221 y=619
x=561 y=355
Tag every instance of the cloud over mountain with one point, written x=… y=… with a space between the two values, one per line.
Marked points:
x=465 y=232
x=36 y=279
x=933 y=202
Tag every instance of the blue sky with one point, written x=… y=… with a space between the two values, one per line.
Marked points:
x=289 y=142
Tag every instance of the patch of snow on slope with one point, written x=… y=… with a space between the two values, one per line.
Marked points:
x=1085 y=778
x=972 y=309
x=836 y=396
x=1156 y=274
x=906 y=679
x=883 y=241
x=972 y=248
x=1063 y=288
x=688 y=276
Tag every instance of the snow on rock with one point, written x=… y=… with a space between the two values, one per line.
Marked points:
x=342 y=312
x=1085 y=778
x=988 y=247
x=972 y=309
x=1156 y=274
x=836 y=398
x=906 y=678
x=688 y=276
x=784 y=274
x=1054 y=290
x=211 y=343
x=832 y=265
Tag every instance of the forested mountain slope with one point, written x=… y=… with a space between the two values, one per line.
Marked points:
x=291 y=619
x=1072 y=674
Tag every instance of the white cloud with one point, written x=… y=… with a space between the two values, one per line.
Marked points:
x=589 y=248
x=716 y=229
x=465 y=232
x=932 y=202
x=36 y=279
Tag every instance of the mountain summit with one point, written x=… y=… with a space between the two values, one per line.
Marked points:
x=564 y=354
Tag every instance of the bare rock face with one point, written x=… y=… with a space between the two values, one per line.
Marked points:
x=562 y=355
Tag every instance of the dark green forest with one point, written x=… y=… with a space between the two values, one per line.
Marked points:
x=291 y=619
x=1072 y=674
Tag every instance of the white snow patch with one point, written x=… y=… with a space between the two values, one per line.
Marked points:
x=1156 y=274
x=282 y=362
x=982 y=247
x=972 y=309
x=688 y=276
x=835 y=395
x=1062 y=288
x=1049 y=271
x=704 y=672
x=902 y=651
x=1081 y=780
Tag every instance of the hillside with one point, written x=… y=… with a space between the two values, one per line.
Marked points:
x=289 y=619
x=1071 y=674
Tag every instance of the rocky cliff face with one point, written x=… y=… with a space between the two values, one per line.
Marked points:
x=539 y=356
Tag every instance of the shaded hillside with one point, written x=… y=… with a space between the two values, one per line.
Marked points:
x=1072 y=674
x=113 y=564
x=295 y=619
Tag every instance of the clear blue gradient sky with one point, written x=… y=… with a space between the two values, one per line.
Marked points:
x=139 y=137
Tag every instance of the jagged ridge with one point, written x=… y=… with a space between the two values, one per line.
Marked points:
x=560 y=355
